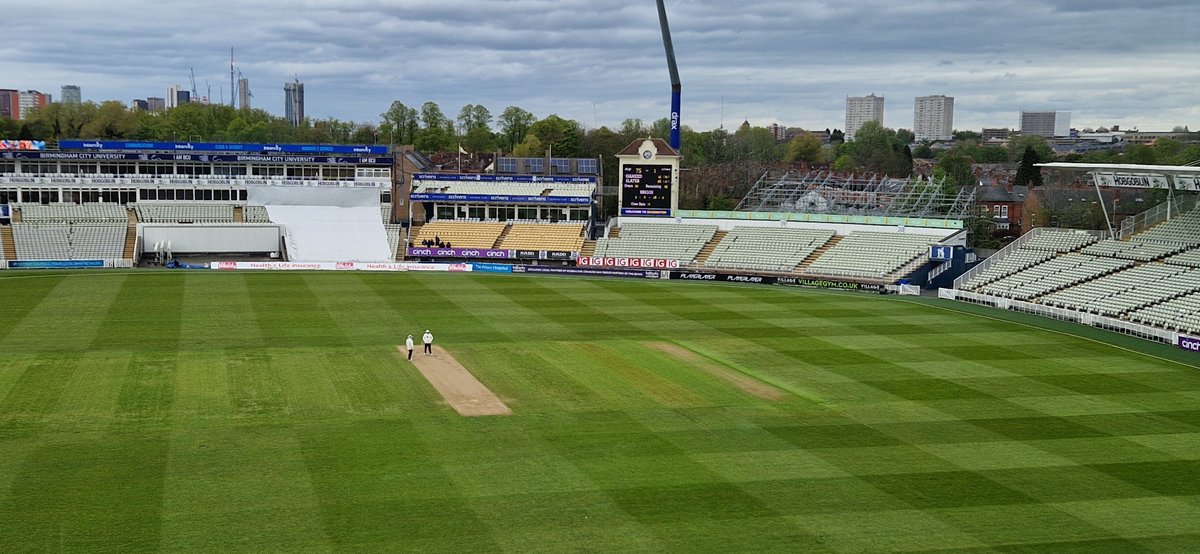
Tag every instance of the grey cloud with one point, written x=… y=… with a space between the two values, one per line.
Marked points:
x=793 y=62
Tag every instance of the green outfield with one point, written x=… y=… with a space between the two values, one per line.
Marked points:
x=195 y=411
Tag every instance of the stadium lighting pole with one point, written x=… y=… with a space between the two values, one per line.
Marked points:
x=676 y=87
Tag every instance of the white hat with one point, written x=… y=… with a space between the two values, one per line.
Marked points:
x=427 y=330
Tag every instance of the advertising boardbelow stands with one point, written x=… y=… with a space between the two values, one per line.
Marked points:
x=607 y=261
x=589 y=271
x=773 y=280
x=484 y=253
x=56 y=264
x=490 y=268
x=338 y=266
x=827 y=284
x=1188 y=343
x=434 y=252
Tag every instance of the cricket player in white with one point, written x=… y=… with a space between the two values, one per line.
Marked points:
x=427 y=338
x=408 y=343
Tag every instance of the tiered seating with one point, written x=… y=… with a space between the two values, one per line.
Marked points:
x=1179 y=314
x=766 y=248
x=66 y=213
x=1190 y=258
x=385 y=211
x=393 y=236
x=872 y=254
x=184 y=213
x=255 y=214
x=1044 y=246
x=1060 y=240
x=73 y=241
x=664 y=241
x=1127 y=290
x=1135 y=249
x=1062 y=271
x=1182 y=230
x=545 y=236
x=461 y=234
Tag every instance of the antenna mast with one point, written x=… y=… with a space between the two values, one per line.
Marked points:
x=232 y=87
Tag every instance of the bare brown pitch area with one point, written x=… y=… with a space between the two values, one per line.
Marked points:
x=461 y=389
x=742 y=381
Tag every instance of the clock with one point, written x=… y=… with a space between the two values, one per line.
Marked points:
x=647 y=154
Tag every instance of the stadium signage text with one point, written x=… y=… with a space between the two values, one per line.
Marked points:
x=587 y=271
x=480 y=178
x=504 y=198
x=358 y=160
x=54 y=264
x=339 y=266
x=221 y=147
x=458 y=253
x=606 y=261
x=1188 y=343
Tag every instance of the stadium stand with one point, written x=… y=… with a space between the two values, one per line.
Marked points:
x=69 y=241
x=385 y=212
x=1190 y=258
x=461 y=234
x=662 y=241
x=561 y=237
x=1182 y=230
x=393 y=237
x=1132 y=249
x=1127 y=290
x=766 y=248
x=1178 y=314
x=184 y=213
x=1047 y=244
x=1054 y=274
x=255 y=214
x=872 y=254
x=68 y=213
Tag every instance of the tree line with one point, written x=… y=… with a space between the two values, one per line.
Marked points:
x=722 y=164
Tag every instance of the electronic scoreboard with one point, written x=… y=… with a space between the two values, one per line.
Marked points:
x=646 y=190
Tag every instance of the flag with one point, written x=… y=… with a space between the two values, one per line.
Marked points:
x=460 y=150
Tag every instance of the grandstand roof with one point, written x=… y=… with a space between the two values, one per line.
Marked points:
x=1130 y=168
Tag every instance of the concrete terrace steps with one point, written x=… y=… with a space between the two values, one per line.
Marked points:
x=588 y=248
x=500 y=238
x=130 y=240
x=239 y=215
x=820 y=251
x=6 y=241
x=709 y=247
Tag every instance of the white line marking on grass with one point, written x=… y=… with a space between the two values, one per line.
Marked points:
x=1040 y=328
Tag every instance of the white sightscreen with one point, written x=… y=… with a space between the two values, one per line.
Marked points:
x=326 y=224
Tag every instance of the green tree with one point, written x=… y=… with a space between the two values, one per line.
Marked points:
x=804 y=148
x=400 y=122
x=112 y=121
x=966 y=135
x=1017 y=146
x=474 y=116
x=1028 y=174
x=1140 y=154
x=957 y=171
x=836 y=136
x=905 y=136
x=530 y=147
x=514 y=125
x=562 y=136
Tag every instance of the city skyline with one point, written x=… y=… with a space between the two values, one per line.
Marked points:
x=601 y=61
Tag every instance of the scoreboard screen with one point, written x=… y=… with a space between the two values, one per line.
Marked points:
x=646 y=190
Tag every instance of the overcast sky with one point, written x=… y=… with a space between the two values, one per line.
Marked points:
x=1135 y=63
